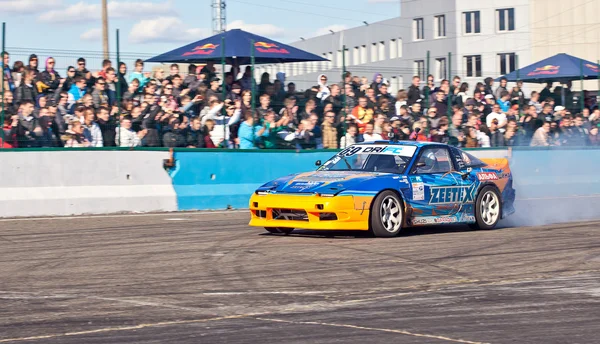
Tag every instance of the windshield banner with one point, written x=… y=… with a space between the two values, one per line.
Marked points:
x=407 y=151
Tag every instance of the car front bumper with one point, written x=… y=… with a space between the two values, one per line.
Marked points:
x=343 y=212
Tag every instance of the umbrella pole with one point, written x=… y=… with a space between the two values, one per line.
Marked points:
x=426 y=84
x=3 y=81
x=449 y=68
x=518 y=77
x=118 y=88
x=598 y=96
x=582 y=97
x=223 y=92
x=252 y=92
x=344 y=89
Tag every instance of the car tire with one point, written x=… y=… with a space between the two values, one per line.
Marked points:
x=488 y=209
x=387 y=215
x=279 y=230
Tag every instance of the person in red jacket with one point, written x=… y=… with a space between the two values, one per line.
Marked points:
x=10 y=132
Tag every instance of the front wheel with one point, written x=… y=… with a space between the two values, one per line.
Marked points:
x=386 y=215
x=279 y=230
x=487 y=208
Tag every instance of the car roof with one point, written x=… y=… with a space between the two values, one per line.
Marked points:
x=403 y=143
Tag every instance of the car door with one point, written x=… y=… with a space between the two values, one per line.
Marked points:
x=436 y=187
x=464 y=163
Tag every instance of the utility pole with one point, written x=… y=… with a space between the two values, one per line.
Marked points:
x=218 y=18
x=105 y=29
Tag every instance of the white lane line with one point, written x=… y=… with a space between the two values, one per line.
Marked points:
x=125 y=328
x=202 y=213
x=372 y=329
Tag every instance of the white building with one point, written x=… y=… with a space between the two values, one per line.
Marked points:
x=483 y=38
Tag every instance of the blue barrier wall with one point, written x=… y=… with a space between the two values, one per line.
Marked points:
x=206 y=180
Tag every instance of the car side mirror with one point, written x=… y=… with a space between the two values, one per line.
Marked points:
x=318 y=163
x=465 y=175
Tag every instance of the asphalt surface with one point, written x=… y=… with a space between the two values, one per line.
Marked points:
x=209 y=278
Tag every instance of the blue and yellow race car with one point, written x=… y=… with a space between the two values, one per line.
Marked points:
x=386 y=186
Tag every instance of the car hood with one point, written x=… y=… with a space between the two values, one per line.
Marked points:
x=324 y=182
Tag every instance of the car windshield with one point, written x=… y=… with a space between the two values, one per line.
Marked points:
x=371 y=158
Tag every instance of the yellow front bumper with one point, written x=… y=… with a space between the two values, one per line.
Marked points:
x=352 y=212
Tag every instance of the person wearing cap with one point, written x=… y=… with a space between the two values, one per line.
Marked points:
x=213 y=90
x=559 y=113
x=489 y=104
x=34 y=65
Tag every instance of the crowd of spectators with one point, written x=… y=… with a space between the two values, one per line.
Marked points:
x=178 y=108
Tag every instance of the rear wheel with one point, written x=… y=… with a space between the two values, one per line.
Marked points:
x=279 y=230
x=386 y=215
x=487 y=208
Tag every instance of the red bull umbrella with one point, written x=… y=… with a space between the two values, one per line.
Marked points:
x=558 y=68
x=238 y=47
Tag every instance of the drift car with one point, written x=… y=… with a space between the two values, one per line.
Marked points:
x=384 y=187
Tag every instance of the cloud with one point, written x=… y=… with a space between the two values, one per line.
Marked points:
x=27 y=6
x=91 y=35
x=84 y=12
x=268 y=30
x=164 y=29
x=325 y=30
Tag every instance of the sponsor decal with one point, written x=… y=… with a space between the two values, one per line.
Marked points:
x=450 y=194
x=418 y=190
x=467 y=218
x=271 y=48
x=546 y=70
x=431 y=220
x=205 y=49
x=483 y=176
x=445 y=219
x=304 y=185
x=407 y=151
x=592 y=67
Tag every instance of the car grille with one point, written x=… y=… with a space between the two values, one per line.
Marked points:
x=290 y=214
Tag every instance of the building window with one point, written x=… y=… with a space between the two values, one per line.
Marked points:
x=418 y=29
x=420 y=68
x=440 y=68
x=473 y=65
x=393 y=49
x=324 y=63
x=330 y=58
x=363 y=54
x=340 y=59
x=399 y=47
x=472 y=22
x=506 y=19
x=381 y=52
x=508 y=63
x=440 y=26
x=356 y=56
x=374 y=52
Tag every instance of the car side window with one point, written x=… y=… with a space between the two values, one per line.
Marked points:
x=434 y=160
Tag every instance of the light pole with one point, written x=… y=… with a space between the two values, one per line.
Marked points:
x=105 y=29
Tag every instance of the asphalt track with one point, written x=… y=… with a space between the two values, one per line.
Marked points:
x=209 y=278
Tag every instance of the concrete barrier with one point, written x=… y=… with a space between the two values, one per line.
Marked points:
x=51 y=183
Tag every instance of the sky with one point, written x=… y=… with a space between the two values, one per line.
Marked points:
x=157 y=26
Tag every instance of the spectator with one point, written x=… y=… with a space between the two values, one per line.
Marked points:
x=6 y=75
x=214 y=89
x=139 y=74
x=441 y=134
x=107 y=125
x=540 y=137
x=99 y=96
x=173 y=70
x=350 y=138
x=329 y=131
x=503 y=101
x=45 y=138
x=207 y=131
x=76 y=92
x=323 y=89
x=194 y=135
x=594 y=138
x=497 y=115
x=362 y=114
x=369 y=135
x=28 y=126
x=27 y=90
x=91 y=130
x=501 y=89
x=496 y=136
x=17 y=76
x=126 y=136
x=440 y=103
x=74 y=137
x=174 y=133
x=49 y=79
x=249 y=134
x=10 y=127
x=414 y=94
